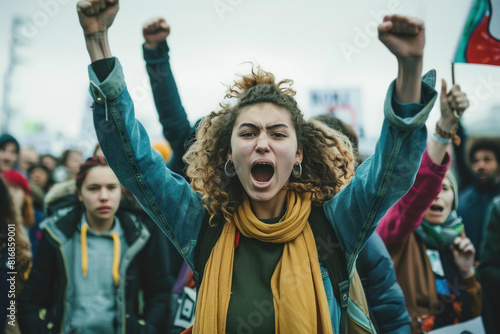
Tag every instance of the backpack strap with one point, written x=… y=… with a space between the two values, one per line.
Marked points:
x=207 y=238
x=329 y=251
x=333 y=258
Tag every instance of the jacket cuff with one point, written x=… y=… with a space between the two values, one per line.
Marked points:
x=103 y=67
x=411 y=116
x=439 y=169
x=110 y=88
x=157 y=55
x=471 y=282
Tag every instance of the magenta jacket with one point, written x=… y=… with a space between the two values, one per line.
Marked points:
x=404 y=217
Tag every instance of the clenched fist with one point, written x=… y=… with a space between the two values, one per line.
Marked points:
x=403 y=36
x=155 y=31
x=96 y=16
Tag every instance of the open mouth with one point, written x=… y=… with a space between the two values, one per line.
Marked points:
x=262 y=172
x=436 y=208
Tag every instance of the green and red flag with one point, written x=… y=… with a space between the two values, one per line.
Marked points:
x=480 y=40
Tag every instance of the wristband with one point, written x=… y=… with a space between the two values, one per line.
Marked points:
x=439 y=139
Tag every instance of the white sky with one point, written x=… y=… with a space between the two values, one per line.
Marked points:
x=293 y=39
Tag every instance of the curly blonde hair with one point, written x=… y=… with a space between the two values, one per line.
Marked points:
x=327 y=165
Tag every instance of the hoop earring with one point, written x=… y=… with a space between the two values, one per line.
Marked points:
x=297 y=174
x=231 y=171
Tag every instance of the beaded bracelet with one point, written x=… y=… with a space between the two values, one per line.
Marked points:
x=448 y=135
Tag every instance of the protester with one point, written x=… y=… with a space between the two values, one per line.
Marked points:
x=63 y=193
x=180 y=135
x=41 y=176
x=275 y=138
x=25 y=198
x=173 y=118
x=385 y=299
x=9 y=152
x=177 y=129
x=92 y=263
x=489 y=269
x=49 y=161
x=336 y=124
x=21 y=195
x=432 y=257
x=484 y=160
x=15 y=260
x=70 y=162
x=28 y=157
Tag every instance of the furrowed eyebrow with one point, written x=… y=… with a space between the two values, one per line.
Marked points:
x=270 y=127
x=250 y=125
x=274 y=126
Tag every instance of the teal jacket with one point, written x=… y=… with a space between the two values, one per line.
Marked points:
x=175 y=207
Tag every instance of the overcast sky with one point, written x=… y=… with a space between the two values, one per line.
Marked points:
x=209 y=41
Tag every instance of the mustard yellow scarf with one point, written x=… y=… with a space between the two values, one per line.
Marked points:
x=300 y=303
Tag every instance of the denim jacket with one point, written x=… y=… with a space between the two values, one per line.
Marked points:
x=173 y=118
x=176 y=208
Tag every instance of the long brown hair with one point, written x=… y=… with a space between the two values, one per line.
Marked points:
x=8 y=215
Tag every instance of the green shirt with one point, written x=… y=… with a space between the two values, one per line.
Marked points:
x=251 y=308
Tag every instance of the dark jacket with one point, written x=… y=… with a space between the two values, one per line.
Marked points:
x=174 y=121
x=42 y=302
x=489 y=269
x=178 y=132
x=384 y=295
x=173 y=118
x=474 y=202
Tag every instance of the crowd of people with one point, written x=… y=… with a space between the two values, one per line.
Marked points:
x=258 y=220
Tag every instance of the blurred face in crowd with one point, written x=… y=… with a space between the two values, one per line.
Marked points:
x=27 y=157
x=100 y=194
x=17 y=195
x=441 y=206
x=8 y=156
x=39 y=176
x=49 y=162
x=485 y=167
x=73 y=162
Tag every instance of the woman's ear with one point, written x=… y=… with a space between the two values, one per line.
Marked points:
x=299 y=155
x=229 y=154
